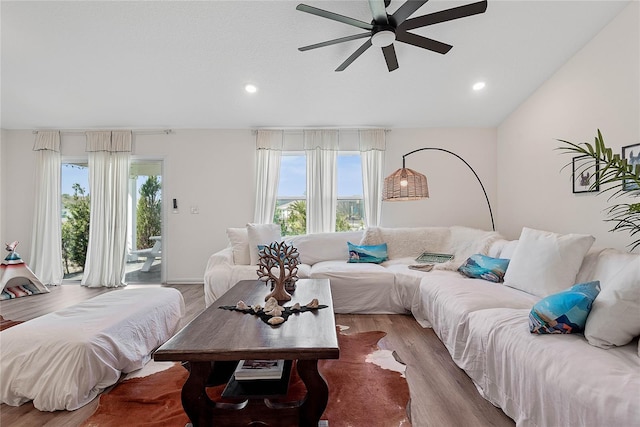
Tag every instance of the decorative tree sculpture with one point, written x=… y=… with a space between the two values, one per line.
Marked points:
x=278 y=264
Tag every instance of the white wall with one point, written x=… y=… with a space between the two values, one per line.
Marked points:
x=213 y=170
x=597 y=89
x=455 y=196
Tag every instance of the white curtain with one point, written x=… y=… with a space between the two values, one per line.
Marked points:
x=269 y=152
x=46 y=241
x=372 y=148
x=109 y=161
x=321 y=147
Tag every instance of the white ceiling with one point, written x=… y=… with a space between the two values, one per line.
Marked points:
x=183 y=64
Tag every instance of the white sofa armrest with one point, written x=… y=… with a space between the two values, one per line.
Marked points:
x=222 y=257
x=219 y=267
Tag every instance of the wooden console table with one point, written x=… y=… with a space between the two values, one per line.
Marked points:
x=214 y=341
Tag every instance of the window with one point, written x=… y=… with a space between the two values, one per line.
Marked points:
x=74 y=179
x=291 y=204
x=145 y=218
x=349 y=214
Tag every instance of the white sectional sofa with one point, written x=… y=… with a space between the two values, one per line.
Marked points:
x=538 y=380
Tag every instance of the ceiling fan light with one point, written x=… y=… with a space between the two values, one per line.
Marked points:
x=383 y=38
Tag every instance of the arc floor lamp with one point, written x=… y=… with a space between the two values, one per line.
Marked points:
x=407 y=184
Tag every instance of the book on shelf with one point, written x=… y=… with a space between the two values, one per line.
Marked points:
x=248 y=370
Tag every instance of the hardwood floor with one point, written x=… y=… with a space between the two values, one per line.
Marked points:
x=441 y=394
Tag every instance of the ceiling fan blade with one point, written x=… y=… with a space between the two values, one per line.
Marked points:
x=407 y=9
x=390 y=56
x=334 y=41
x=423 y=42
x=334 y=16
x=354 y=55
x=378 y=11
x=445 y=15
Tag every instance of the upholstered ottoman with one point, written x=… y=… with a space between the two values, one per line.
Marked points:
x=64 y=359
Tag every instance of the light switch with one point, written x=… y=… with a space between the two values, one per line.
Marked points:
x=195 y=210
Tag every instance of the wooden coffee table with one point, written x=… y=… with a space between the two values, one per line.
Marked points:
x=215 y=340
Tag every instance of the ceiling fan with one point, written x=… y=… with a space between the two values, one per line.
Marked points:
x=384 y=29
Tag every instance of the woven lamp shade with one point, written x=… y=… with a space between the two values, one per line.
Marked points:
x=415 y=189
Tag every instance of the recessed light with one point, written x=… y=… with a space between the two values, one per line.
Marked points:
x=251 y=88
x=479 y=86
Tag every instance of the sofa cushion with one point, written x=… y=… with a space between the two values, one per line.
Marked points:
x=359 y=288
x=261 y=234
x=368 y=254
x=480 y=266
x=545 y=263
x=318 y=247
x=239 y=240
x=408 y=242
x=615 y=317
x=448 y=298
x=565 y=312
x=553 y=380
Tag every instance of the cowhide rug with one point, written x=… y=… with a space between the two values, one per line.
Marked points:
x=367 y=388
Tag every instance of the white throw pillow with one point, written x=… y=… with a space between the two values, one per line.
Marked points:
x=261 y=234
x=545 y=263
x=239 y=240
x=614 y=319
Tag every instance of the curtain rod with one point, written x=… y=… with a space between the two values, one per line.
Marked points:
x=293 y=130
x=135 y=132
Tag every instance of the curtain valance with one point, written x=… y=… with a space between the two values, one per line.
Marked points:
x=270 y=140
x=322 y=139
x=372 y=139
x=47 y=140
x=111 y=141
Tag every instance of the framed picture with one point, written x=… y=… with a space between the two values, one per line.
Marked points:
x=585 y=170
x=632 y=154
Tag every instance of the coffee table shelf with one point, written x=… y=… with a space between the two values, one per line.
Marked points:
x=260 y=389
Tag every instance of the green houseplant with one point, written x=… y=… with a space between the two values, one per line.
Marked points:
x=615 y=176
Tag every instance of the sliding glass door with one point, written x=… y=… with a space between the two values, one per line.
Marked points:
x=144 y=218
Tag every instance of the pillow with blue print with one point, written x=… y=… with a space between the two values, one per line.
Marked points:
x=565 y=312
x=484 y=267
x=374 y=254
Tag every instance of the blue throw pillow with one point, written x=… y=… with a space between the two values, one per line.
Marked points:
x=372 y=254
x=483 y=267
x=565 y=312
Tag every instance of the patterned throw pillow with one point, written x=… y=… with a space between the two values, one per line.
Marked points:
x=484 y=267
x=565 y=312
x=371 y=254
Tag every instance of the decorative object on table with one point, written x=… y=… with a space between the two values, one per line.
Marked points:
x=631 y=153
x=278 y=266
x=616 y=175
x=16 y=278
x=386 y=28
x=272 y=313
x=584 y=174
x=406 y=184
